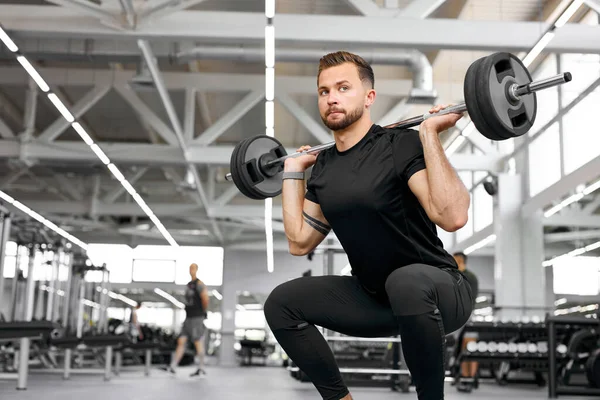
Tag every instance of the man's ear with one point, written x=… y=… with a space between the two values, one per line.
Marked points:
x=371 y=94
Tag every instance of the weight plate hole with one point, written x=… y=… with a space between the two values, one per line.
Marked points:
x=519 y=119
x=252 y=171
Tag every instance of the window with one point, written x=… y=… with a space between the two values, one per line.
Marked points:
x=118 y=259
x=544 y=160
x=483 y=211
x=577 y=276
x=154 y=270
x=209 y=260
x=547 y=99
x=580 y=137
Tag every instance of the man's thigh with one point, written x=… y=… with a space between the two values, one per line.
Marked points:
x=337 y=303
x=420 y=288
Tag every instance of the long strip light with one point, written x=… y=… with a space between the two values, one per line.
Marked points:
x=572 y=199
x=528 y=58
x=269 y=116
x=480 y=244
x=573 y=253
x=64 y=111
x=167 y=296
x=22 y=207
x=124 y=299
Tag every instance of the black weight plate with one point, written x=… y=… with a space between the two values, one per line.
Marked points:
x=592 y=369
x=508 y=119
x=252 y=176
x=582 y=343
x=246 y=186
x=235 y=168
x=470 y=95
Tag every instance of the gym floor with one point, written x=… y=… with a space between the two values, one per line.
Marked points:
x=249 y=383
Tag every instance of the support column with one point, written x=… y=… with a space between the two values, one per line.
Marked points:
x=534 y=274
x=518 y=274
x=227 y=352
x=4 y=236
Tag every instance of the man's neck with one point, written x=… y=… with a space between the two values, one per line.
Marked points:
x=346 y=138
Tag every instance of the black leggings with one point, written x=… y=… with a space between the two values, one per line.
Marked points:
x=422 y=303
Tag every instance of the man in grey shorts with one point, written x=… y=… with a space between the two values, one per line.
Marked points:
x=196 y=305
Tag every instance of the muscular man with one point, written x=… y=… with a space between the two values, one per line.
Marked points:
x=382 y=191
x=196 y=305
x=468 y=368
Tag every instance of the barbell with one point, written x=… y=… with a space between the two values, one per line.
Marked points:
x=500 y=97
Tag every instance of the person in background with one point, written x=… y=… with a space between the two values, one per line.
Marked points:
x=468 y=368
x=135 y=327
x=196 y=307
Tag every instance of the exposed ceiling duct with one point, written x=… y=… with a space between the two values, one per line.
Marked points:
x=422 y=72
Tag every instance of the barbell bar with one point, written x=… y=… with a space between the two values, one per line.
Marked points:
x=499 y=97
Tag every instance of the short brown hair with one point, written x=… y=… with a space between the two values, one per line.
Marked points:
x=365 y=72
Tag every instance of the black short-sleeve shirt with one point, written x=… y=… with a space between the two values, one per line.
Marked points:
x=364 y=195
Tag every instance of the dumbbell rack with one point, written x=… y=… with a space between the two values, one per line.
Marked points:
x=555 y=323
x=531 y=355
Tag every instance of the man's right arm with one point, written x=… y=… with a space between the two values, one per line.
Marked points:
x=304 y=223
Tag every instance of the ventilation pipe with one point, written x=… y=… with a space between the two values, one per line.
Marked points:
x=422 y=72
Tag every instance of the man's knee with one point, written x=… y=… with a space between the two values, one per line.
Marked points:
x=281 y=303
x=410 y=291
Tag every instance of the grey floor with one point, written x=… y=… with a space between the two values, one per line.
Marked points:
x=249 y=383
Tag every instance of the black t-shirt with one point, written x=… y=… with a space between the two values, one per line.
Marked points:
x=364 y=195
x=193 y=303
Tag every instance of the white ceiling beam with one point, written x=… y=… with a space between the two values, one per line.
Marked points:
x=565 y=186
x=420 y=8
x=30 y=111
x=114 y=194
x=592 y=205
x=176 y=124
x=241 y=27
x=593 y=4
x=5 y=130
x=153 y=154
x=226 y=196
x=165 y=8
x=574 y=220
x=230 y=118
x=571 y=236
x=370 y=9
x=77 y=109
x=189 y=112
x=68 y=186
x=205 y=82
x=147 y=114
x=398 y=112
x=87 y=8
x=314 y=128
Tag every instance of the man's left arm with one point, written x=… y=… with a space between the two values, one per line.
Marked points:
x=438 y=187
x=203 y=296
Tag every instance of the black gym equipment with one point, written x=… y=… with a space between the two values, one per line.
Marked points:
x=499 y=97
x=577 y=341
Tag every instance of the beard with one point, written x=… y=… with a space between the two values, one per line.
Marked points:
x=346 y=121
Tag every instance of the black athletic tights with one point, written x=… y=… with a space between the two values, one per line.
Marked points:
x=422 y=303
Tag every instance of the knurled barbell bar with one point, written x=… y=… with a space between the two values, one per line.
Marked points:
x=499 y=97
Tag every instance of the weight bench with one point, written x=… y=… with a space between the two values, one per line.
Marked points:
x=147 y=347
x=108 y=342
x=25 y=331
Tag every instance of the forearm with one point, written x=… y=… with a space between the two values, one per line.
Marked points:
x=448 y=196
x=292 y=205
